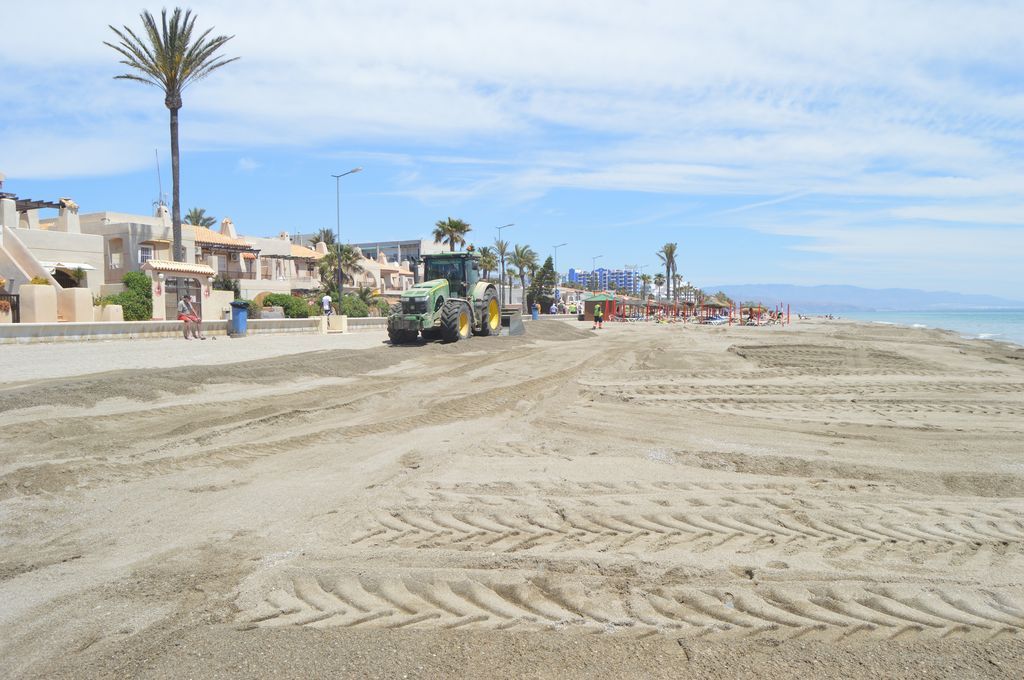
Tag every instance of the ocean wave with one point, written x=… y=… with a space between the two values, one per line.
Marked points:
x=918 y=325
x=988 y=336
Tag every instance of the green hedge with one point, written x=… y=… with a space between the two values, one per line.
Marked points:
x=353 y=307
x=136 y=300
x=294 y=307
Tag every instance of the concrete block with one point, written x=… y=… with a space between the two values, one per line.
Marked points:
x=215 y=305
x=337 y=323
x=74 y=304
x=39 y=303
x=112 y=313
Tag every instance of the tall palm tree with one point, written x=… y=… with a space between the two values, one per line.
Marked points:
x=677 y=281
x=197 y=217
x=324 y=235
x=351 y=264
x=451 y=231
x=525 y=260
x=171 y=57
x=645 y=280
x=488 y=261
x=659 y=281
x=667 y=255
x=501 y=248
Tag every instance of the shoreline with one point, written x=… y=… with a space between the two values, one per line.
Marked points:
x=952 y=333
x=1015 y=340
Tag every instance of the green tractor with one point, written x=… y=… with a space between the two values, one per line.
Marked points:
x=451 y=303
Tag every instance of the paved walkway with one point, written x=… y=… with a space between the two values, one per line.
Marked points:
x=56 y=359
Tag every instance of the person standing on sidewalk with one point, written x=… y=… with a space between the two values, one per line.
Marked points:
x=598 y=316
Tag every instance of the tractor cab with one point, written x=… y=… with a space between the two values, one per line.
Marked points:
x=462 y=271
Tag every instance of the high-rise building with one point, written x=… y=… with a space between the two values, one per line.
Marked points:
x=625 y=280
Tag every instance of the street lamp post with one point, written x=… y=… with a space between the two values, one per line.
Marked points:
x=501 y=284
x=557 y=281
x=593 y=267
x=337 y=227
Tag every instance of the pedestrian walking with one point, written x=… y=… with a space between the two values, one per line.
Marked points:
x=325 y=304
x=598 y=316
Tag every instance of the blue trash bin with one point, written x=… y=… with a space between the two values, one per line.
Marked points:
x=534 y=313
x=239 y=318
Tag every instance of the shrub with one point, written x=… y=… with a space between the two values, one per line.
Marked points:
x=383 y=308
x=354 y=307
x=294 y=307
x=224 y=282
x=254 y=309
x=134 y=307
x=136 y=300
x=138 y=283
x=39 y=281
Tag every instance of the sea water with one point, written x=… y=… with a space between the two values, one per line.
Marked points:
x=1006 y=325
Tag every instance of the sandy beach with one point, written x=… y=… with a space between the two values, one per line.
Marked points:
x=829 y=499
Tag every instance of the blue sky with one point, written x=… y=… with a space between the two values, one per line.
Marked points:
x=874 y=144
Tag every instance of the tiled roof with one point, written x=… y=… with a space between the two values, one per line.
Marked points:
x=210 y=237
x=303 y=251
x=171 y=266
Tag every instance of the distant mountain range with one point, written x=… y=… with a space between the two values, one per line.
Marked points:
x=824 y=299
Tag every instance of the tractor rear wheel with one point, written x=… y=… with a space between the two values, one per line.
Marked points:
x=455 y=321
x=490 y=322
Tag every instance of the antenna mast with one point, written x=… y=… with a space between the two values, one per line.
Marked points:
x=159 y=180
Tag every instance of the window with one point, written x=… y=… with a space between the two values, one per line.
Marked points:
x=145 y=254
x=233 y=257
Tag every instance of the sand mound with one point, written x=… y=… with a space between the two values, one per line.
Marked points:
x=556 y=330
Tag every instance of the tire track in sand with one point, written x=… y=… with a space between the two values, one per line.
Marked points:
x=433 y=601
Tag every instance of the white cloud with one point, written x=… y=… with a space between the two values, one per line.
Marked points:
x=895 y=115
x=246 y=164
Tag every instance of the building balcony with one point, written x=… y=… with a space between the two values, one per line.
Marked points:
x=236 y=274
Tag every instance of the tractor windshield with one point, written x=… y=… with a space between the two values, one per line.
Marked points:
x=451 y=269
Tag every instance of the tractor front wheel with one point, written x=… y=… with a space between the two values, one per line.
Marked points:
x=401 y=337
x=455 y=321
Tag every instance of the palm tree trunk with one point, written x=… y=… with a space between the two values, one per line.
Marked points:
x=522 y=283
x=178 y=254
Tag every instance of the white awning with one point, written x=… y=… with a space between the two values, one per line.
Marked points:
x=68 y=265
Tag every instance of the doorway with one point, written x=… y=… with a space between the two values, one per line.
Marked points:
x=177 y=287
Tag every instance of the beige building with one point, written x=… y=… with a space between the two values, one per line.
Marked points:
x=283 y=267
x=129 y=241
x=94 y=251
x=56 y=250
x=387 y=278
